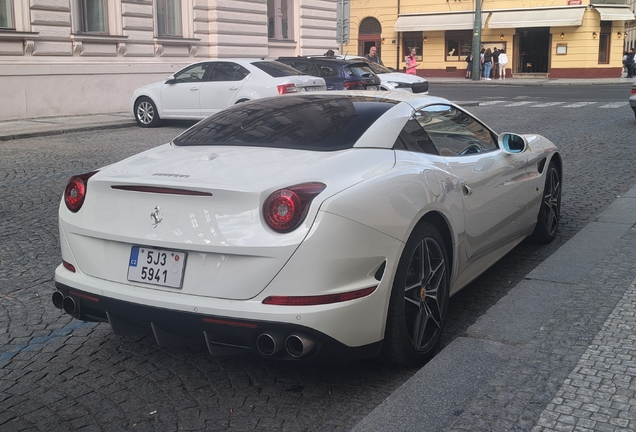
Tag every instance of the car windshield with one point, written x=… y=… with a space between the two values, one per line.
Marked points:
x=304 y=122
x=361 y=69
x=276 y=69
x=378 y=68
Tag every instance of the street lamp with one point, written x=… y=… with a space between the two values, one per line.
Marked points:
x=477 y=41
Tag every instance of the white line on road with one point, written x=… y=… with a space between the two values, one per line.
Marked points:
x=578 y=104
x=519 y=103
x=547 y=104
x=614 y=105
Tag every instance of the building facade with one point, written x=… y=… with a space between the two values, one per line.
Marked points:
x=69 y=57
x=554 y=38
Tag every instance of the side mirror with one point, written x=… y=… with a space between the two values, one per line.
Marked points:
x=171 y=81
x=512 y=143
x=420 y=87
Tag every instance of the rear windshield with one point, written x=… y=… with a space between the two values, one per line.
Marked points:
x=276 y=69
x=306 y=122
x=378 y=68
x=360 y=70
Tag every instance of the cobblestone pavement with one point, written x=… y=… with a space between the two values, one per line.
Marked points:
x=60 y=374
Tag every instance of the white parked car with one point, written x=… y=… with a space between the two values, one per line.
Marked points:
x=327 y=226
x=395 y=81
x=206 y=87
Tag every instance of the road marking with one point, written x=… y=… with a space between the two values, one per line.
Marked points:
x=578 y=104
x=614 y=105
x=547 y=104
x=495 y=102
x=519 y=103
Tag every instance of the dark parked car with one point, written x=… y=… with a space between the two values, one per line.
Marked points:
x=632 y=98
x=339 y=74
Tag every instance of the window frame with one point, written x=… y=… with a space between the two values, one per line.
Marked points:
x=604 y=42
x=81 y=15
x=177 y=20
x=463 y=39
x=413 y=40
x=9 y=7
x=280 y=27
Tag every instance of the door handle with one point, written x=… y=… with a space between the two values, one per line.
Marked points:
x=233 y=88
x=467 y=190
x=194 y=88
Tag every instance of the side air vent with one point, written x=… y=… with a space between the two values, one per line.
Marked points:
x=380 y=272
x=541 y=165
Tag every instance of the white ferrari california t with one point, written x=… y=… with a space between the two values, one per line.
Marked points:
x=325 y=226
x=206 y=87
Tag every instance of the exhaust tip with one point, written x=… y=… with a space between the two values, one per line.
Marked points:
x=70 y=307
x=299 y=345
x=58 y=299
x=269 y=344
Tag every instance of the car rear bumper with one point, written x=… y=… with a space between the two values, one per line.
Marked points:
x=632 y=102
x=221 y=335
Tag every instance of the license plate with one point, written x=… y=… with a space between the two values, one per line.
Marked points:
x=156 y=266
x=373 y=88
x=308 y=89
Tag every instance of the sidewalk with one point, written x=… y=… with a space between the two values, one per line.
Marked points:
x=27 y=128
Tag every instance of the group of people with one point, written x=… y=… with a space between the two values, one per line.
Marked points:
x=629 y=63
x=491 y=63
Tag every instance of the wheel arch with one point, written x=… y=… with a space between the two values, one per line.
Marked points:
x=440 y=223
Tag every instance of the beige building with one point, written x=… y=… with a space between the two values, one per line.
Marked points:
x=556 y=38
x=63 y=57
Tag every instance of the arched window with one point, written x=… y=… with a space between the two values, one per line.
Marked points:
x=369 y=34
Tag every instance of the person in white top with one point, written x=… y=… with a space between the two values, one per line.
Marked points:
x=503 y=62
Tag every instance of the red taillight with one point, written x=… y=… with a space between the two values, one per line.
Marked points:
x=75 y=191
x=287 y=88
x=354 y=85
x=286 y=208
x=634 y=89
x=318 y=300
x=68 y=266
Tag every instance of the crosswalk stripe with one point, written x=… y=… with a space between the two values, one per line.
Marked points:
x=614 y=105
x=518 y=103
x=578 y=104
x=495 y=102
x=547 y=104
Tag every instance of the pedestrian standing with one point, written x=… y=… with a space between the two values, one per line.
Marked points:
x=469 y=66
x=411 y=62
x=373 y=56
x=487 y=64
x=629 y=63
x=503 y=62
x=481 y=63
x=495 y=63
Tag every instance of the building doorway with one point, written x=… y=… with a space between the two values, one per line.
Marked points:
x=533 y=50
x=370 y=34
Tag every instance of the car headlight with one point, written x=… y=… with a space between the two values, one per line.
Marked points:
x=400 y=84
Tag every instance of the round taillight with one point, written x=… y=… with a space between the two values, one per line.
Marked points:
x=75 y=191
x=285 y=209
x=282 y=210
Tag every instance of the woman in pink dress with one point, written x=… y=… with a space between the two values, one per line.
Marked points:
x=411 y=62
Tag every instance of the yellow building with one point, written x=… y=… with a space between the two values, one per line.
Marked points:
x=556 y=38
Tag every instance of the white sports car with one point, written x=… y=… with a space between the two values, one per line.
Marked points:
x=206 y=87
x=327 y=226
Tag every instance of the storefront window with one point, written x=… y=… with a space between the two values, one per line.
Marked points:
x=458 y=45
x=604 y=42
x=6 y=14
x=412 y=40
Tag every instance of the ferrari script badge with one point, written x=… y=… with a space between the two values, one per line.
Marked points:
x=156 y=216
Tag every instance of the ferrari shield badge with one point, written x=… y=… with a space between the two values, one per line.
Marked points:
x=156 y=216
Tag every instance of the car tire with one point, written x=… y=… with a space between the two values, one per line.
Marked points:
x=419 y=299
x=146 y=113
x=550 y=211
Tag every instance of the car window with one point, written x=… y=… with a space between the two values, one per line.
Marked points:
x=414 y=138
x=327 y=71
x=453 y=132
x=227 y=71
x=276 y=69
x=193 y=73
x=302 y=67
x=359 y=70
x=307 y=122
x=378 y=68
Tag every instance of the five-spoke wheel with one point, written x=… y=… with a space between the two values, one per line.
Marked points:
x=550 y=211
x=419 y=301
x=146 y=112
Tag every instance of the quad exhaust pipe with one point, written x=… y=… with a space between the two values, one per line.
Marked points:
x=68 y=304
x=296 y=344
x=299 y=344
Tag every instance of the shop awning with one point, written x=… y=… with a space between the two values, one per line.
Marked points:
x=614 y=13
x=437 y=21
x=541 y=17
